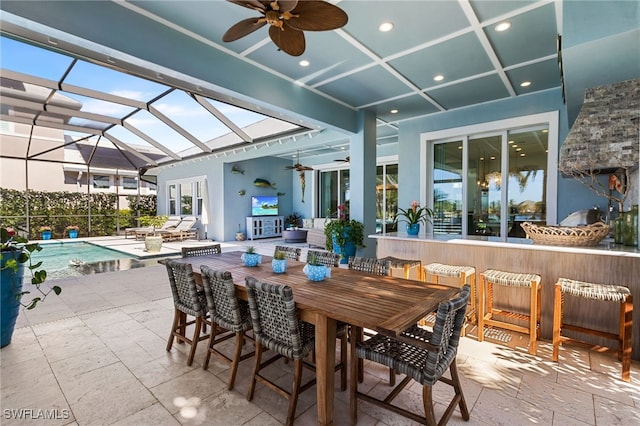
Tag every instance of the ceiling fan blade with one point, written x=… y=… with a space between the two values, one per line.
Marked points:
x=242 y=28
x=251 y=4
x=287 y=39
x=317 y=16
x=287 y=5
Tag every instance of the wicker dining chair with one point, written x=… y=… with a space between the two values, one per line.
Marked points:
x=326 y=258
x=422 y=355
x=291 y=253
x=373 y=266
x=276 y=327
x=369 y=264
x=187 y=300
x=201 y=250
x=229 y=317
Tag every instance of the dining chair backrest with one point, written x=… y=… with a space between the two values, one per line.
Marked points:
x=201 y=250
x=274 y=318
x=326 y=258
x=369 y=264
x=446 y=335
x=186 y=296
x=222 y=302
x=291 y=253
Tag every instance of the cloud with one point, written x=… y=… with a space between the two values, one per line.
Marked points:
x=132 y=94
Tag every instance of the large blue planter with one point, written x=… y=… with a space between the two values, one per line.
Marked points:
x=45 y=235
x=73 y=233
x=349 y=249
x=11 y=284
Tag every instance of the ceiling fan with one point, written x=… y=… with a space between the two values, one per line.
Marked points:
x=298 y=167
x=288 y=19
x=347 y=159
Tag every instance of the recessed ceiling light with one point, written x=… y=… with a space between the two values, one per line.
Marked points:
x=522 y=155
x=515 y=145
x=518 y=149
x=545 y=131
x=304 y=63
x=503 y=26
x=394 y=111
x=439 y=77
x=525 y=84
x=493 y=157
x=510 y=141
x=459 y=146
x=385 y=27
x=481 y=158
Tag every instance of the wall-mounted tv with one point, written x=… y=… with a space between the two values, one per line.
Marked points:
x=264 y=205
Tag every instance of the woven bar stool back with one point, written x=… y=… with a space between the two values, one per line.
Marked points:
x=201 y=251
x=291 y=253
x=326 y=258
x=486 y=316
x=602 y=293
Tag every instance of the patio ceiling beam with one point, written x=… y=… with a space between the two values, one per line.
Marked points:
x=10 y=100
x=150 y=140
x=126 y=147
x=175 y=126
x=223 y=118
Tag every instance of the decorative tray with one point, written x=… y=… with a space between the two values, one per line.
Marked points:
x=587 y=235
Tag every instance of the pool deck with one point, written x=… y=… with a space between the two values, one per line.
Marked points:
x=97 y=355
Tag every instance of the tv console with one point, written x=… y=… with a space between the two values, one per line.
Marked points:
x=264 y=226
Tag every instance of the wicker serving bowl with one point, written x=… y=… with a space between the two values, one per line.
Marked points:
x=588 y=235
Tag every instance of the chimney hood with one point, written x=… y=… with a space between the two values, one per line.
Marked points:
x=605 y=135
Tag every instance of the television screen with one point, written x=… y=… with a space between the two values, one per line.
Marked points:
x=264 y=205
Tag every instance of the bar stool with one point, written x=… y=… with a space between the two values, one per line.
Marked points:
x=407 y=266
x=603 y=293
x=509 y=279
x=439 y=273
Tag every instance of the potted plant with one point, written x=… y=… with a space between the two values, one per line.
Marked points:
x=15 y=253
x=72 y=230
x=414 y=215
x=294 y=220
x=45 y=232
x=239 y=234
x=314 y=270
x=250 y=257
x=344 y=236
x=279 y=262
x=152 y=241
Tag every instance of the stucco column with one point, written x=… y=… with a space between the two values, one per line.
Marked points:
x=362 y=178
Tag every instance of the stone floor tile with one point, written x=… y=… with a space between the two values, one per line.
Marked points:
x=156 y=414
x=197 y=384
x=614 y=413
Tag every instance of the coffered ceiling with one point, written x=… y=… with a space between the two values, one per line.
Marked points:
x=356 y=67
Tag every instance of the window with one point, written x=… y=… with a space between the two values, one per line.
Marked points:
x=386 y=197
x=129 y=183
x=100 y=182
x=333 y=190
x=489 y=183
x=186 y=197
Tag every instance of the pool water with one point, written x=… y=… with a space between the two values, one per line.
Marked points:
x=63 y=260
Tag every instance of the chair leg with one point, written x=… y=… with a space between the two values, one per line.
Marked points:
x=295 y=391
x=174 y=326
x=557 y=321
x=481 y=304
x=236 y=359
x=626 y=314
x=533 y=319
x=455 y=379
x=256 y=368
x=344 y=362
x=212 y=338
x=194 y=341
x=427 y=401
x=354 y=376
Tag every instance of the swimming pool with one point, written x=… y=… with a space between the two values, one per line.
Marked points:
x=64 y=260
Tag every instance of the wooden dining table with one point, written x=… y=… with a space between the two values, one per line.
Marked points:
x=385 y=304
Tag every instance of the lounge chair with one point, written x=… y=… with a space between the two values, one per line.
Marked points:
x=169 y=225
x=185 y=229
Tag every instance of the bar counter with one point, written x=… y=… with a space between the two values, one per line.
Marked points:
x=606 y=263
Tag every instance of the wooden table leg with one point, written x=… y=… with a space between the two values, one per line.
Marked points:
x=325 y=367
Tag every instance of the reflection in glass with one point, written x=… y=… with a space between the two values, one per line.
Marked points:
x=186 y=199
x=447 y=188
x=484 y=155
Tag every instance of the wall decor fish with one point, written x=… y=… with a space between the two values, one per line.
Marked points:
x=263 y=183
x=236 y=170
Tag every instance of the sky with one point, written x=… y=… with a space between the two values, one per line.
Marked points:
x=177 y=105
